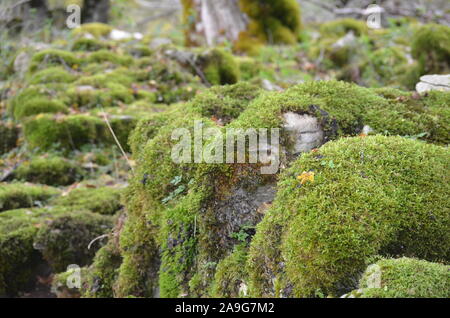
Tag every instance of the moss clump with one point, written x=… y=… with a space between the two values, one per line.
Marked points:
x=220 y=67
x=18 y=258
x=53 y=57
x=56 y=74
x=104 y=200
x=38 y=105
x=431 y=47
x=344 y=109
x=270 y=22
x=108 y=56
x=23 y=195
x=370 y=196
x=49 y=170
x=65 y=239
x=224 y=103
x=231 y=274
x=67 y=132
x=385 y=67
x=404 y=278
x=90 y=45
x=97 y=30
x=9 y=135
x=339 y=28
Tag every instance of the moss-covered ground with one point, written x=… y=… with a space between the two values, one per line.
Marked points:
x=87 y=176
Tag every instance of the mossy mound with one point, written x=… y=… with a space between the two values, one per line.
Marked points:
x=369 y=196
x=220 y=67
x=49 y=170
x=66 y=239
x=97 y=30
x=105 y=200
x=431 y=47
x=56 y=74
x=341 y=27
x=9 y=135
x=71 y=132
x=54 y=57
x=90 y=45
x=344 y=109
x=24 y=195
x=270 y=22
x=39 y=105
x=18 y=258
x=404 y=278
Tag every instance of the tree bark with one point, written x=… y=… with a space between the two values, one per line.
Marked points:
x=213 y=22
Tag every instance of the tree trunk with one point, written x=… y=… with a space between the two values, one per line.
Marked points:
x=213 y=22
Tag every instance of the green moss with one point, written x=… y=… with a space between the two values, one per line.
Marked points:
x=90 y=45
x=108 y=56
x=49 y=170
x=65 y=239
x=431 y=47
x=102 y=274
x=380 y=196
x=18 y=258
x=231 y=274
x=97 y=30
x=67 y=132
x=270 y=22
x=341 y=27
x=22 y=195
x=38 y=105
x=404 y=278
x=9 y=135
x=56 y=74
x=220 y=67
x=385 y=67
x=103 y=200
x=344 y=109
x=53 y=57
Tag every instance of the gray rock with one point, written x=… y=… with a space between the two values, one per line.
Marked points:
x=304 y=131
x=21 y=63
x=433 y=82
x=157 y=42
x=269 y=86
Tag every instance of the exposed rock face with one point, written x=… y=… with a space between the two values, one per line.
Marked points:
x=433 y=82
x=243 y=207
x=304 y=131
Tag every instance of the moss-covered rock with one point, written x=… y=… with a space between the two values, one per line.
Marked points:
x=90 y=45
x=56 y=74
x=431 y=47
x=49 y=170
x=19 y=261
x=24 y=195
x=404 y=278
x=39 y=105
x=368 y=196
x=231 y=274
x=341 y=27
x=67 y=239
x=270 y=22
x=67 y=132
x=105 y=200
x=97 y=30
x=57 y=57
x=220 y=67
x=108 y=56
